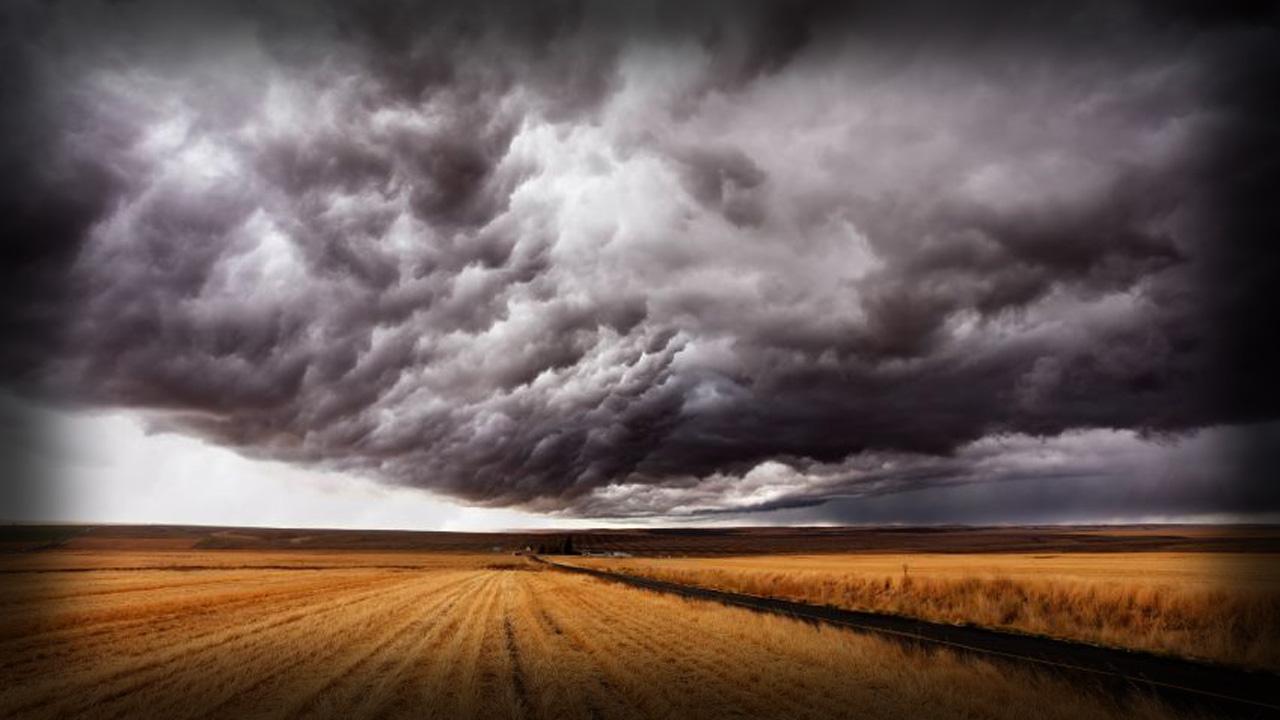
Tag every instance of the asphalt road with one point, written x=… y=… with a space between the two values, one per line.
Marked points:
x=1218 y=690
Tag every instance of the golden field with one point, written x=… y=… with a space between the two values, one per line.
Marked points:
x=180 y=634
x=1216 y=606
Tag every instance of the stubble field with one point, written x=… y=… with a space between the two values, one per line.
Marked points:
x=1222 y=607
x=180 y=633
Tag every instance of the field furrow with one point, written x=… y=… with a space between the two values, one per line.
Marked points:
x=139 y=659
x=70 y=629
x=467 y=637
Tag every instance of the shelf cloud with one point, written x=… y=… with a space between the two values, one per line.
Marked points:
x=612 y=259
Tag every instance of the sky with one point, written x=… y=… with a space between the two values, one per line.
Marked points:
x=492 y=265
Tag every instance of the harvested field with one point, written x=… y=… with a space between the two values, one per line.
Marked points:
x=276 y=634
x=1220 y=607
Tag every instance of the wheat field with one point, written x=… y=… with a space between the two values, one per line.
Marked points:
x=285 y=635
x=1221 y=607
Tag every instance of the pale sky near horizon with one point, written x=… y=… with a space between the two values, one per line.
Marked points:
x=117 y=472
x=105 y=467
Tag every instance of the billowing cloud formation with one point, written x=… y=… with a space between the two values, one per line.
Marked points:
x=580 y=258
x=1077 y=476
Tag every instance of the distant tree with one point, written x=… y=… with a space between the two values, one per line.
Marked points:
x=560 y=545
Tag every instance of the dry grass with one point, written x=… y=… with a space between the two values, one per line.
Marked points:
x=252 y=635
x=1219 y=607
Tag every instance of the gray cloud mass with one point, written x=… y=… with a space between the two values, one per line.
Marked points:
x=605 y=261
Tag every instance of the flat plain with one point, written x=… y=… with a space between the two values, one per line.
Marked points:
x=261 y=634
x=1220 y=607
x=225 y=622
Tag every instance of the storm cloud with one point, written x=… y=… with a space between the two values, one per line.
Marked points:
x=582 y=258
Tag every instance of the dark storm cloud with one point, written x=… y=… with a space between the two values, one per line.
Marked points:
x=630 y=259
x=48 y=199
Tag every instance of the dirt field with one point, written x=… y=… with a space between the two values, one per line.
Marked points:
x=300 y=634
x=1219 y=606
